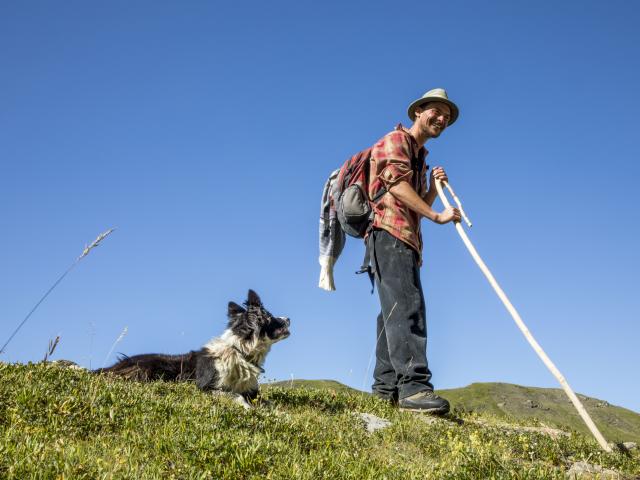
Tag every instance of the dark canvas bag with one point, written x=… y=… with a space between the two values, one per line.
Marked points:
x=350 y=194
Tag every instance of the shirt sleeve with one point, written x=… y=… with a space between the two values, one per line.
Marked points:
x=393 y=159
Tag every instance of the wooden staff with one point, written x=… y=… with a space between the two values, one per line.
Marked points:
x=457 y=200
x=516 y=317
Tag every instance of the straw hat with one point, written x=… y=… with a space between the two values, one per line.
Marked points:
x=435 y=95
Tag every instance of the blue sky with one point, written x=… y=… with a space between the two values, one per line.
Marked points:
x=203 y=132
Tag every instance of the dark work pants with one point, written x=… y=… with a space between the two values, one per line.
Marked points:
x=401 y=350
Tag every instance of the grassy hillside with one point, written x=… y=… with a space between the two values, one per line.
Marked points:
x=549 y=406
x=63 y=423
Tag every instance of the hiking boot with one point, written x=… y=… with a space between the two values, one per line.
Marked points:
x=427 y=402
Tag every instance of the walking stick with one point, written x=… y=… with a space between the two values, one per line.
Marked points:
x=516 y=317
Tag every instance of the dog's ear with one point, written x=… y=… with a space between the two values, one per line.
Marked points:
x=235 y=309
x=253 y=299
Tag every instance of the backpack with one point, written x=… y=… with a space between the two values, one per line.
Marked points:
x=350 y=195
x=346 y=208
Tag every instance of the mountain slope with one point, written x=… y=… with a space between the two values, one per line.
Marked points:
x=549 y=405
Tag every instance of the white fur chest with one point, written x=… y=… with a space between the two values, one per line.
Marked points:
x=238 y=362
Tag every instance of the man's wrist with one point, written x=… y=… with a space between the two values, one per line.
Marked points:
x=433 y=216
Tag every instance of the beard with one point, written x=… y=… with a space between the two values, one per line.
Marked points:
x=435 y=131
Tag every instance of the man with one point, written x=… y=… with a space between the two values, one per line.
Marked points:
x=402 y=374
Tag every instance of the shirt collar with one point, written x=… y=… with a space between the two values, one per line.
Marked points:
x=419 y=150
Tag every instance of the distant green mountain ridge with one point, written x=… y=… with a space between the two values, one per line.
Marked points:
x=549 y=406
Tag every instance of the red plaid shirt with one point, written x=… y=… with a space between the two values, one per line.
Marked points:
x=391 y=162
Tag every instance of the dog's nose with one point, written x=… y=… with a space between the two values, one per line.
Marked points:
x=286 y=321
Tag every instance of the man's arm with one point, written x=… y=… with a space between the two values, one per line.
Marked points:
x=430 y=196
x=408 y=196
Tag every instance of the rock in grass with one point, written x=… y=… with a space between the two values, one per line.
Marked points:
x=68 y=364
x=373 y=423
x=588 y=471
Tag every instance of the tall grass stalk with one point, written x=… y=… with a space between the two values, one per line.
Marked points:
x=118 y=340
x=52 y=348
x=85 y=252
x=375 y=345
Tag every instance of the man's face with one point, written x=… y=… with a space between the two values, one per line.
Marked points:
x=433 y=118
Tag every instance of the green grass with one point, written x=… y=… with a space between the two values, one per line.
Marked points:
x=64 y=423
x=545 y=406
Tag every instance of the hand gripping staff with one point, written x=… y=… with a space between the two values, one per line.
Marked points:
x=516 y=317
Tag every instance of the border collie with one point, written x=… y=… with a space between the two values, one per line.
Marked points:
x=230 y=363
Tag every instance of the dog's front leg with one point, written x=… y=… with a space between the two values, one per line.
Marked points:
x=242 y=401
x=235 y=397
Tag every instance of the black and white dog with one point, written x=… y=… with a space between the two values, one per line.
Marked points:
x=230 y=363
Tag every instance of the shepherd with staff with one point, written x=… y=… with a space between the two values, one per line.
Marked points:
x=402 y=375
x=394 y=248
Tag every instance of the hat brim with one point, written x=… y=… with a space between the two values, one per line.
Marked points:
x=411 y=111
